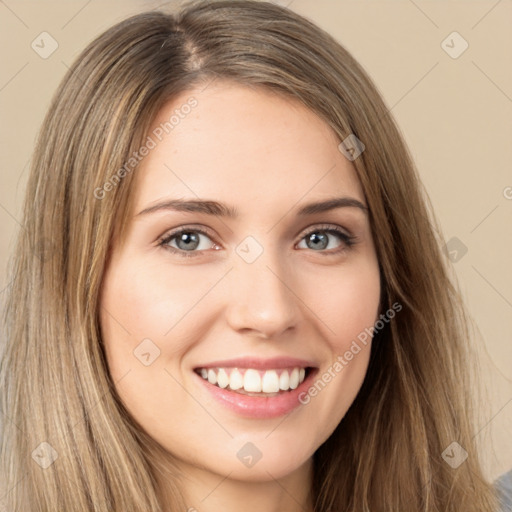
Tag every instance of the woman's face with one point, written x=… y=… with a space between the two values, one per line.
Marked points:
x=257 y=292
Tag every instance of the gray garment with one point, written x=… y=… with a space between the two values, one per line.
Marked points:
x=504 y=487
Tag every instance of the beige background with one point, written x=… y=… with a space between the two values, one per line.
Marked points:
x=454 y=113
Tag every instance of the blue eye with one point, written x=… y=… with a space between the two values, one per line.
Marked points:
x=319 y=239
x=187 y=242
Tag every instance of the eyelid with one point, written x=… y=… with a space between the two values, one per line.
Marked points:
x=187 y=227
x=324 y=227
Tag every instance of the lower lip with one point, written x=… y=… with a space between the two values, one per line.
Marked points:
x=260 y=406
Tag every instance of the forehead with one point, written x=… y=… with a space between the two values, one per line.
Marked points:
x=244 y=145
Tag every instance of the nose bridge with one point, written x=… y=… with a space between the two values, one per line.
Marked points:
x=261 y=298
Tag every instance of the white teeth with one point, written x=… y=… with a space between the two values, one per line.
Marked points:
x=270 y=383
x=236 y=380
x=284 y=381
x=294 y=378
x=222 y=378
x=254 y=381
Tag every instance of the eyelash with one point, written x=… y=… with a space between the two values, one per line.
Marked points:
x=347 y=240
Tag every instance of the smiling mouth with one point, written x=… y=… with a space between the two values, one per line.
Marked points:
x=252 y=382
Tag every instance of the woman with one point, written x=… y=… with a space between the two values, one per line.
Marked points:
x=229 y=290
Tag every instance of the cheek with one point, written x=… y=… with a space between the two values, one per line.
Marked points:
x=347 y=303
x=348 y=306
x=145 y=324
x=145 y=301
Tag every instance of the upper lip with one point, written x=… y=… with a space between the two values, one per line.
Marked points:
x=260 y=364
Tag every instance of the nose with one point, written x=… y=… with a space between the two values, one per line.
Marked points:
x=260 y=298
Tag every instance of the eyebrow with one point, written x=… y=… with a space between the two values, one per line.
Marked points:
x=215 y=208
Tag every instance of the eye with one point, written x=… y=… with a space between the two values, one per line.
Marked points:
x=187 y=241
x=320 y=238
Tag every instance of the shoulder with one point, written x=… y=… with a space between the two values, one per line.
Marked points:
x=504 y=488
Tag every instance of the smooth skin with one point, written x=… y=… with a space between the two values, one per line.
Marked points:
x=266 y=156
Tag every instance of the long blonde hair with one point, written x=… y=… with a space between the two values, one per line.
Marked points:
x=386 y=453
